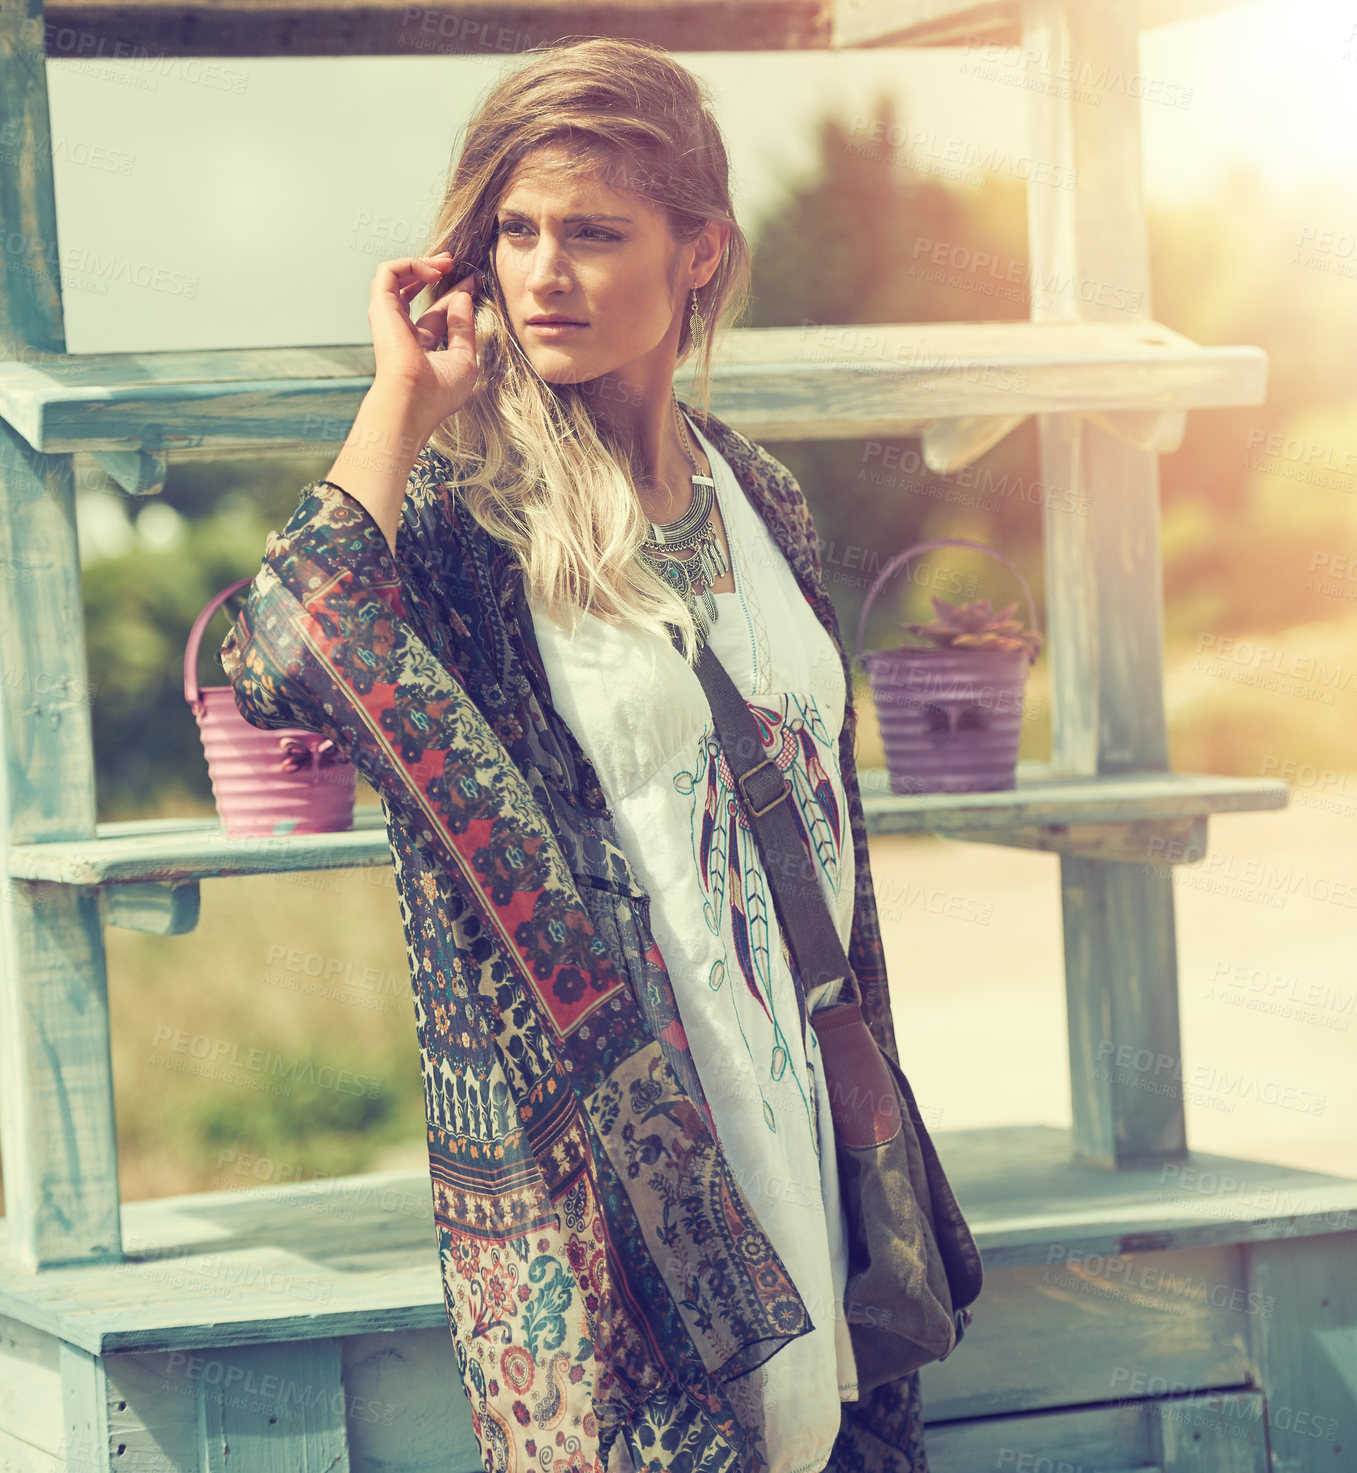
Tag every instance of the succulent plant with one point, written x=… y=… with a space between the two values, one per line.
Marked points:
x=974 y=626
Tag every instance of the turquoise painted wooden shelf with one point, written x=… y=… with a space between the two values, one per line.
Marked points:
x=352 y=1254
x=181 y=849
x=821 y=381
x=178 y=849
x=1140 y=1297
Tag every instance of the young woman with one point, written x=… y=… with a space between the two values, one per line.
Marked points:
x=491 y=604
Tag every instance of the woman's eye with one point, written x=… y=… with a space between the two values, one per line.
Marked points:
x=592 y=232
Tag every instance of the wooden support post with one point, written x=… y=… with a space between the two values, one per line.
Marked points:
x=1219 y=1432
x=1104 y=588
x=160 y=909
x=56 y=1080
x=86 y=1444
x=57 y=1133
x=1305 y=1345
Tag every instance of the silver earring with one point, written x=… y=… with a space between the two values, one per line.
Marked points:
x=695 y=327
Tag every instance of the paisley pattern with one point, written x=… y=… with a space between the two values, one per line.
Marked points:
x=604 y=1275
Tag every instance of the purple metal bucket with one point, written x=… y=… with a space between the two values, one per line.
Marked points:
x=951 y=719
x=286 y=781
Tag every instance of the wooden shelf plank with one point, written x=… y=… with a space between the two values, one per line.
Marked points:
x=1040 y=799
x=176 y=850
x=1024 y=1194
x=356 y=1254
x=226 y=28
x=452 y=27
x=815 y=382
x=859 y=23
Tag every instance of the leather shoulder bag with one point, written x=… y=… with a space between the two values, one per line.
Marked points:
x=914 y=1269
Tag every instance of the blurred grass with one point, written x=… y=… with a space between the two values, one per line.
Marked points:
x=308 y=971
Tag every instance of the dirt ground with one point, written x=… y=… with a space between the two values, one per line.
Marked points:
x=1267 y=977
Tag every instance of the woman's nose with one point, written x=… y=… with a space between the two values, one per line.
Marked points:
x=545 y=266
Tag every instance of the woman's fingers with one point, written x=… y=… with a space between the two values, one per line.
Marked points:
x=434 y=357
x=397 y=283
x=448 y=325
x=456 y=303
x=431 y=328
x=401 y=281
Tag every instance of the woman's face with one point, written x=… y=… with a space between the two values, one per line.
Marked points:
x=602 y=258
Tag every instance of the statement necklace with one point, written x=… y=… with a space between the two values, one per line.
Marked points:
x=692 y=576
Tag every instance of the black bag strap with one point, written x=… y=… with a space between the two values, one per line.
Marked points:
x=812 y=936
x=818 y=953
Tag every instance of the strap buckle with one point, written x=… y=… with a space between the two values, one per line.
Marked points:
x=753 y=802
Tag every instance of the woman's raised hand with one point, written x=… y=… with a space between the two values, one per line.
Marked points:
x=429 y=364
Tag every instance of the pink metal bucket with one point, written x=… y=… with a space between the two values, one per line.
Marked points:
x=951 y=719
x=287 y=781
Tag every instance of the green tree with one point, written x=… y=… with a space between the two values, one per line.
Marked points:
x=877 y=237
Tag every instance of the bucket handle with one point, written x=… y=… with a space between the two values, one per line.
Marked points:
x=903 y=557
x=191 y=692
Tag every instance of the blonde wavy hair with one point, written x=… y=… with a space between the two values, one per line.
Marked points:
x=534 y=465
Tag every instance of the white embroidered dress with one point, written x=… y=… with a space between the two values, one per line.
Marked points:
x=641 y=716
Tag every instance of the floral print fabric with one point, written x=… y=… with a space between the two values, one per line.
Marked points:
x=603 y=1272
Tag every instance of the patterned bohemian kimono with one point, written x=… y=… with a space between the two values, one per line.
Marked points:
x=605 y=1275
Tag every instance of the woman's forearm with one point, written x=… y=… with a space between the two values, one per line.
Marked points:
x=379 y=452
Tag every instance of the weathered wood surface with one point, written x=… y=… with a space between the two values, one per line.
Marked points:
x=424 y=1426
x=241 y=28
x=248 y=1434
x=57 y=1137
x=949 y=445
x=403 y=1412
x=85 y=1444
x=974 y=23
x=1162 y=842
x=1041 y=799
x=30 y=1384
x=31 y=320
x=1121 y=997
x=1081 y=1328
x=1109 y=1439
x=1219 y=1433
x=156 y=909
x=174 y=851
x=1105 y=615
x=1071 y=599
x=1160 y=431
x=818 y=381
x=1307 y=1351
x=358 y=1254
x=94 y=29
x=1024 y=1198
x=311 y=1259
x=18 y=1456
x=1226 y=1433
x=139 y=473
x=395 y=1401
x=387 y=1402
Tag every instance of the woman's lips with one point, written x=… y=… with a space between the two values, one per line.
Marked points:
x=556 y=329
